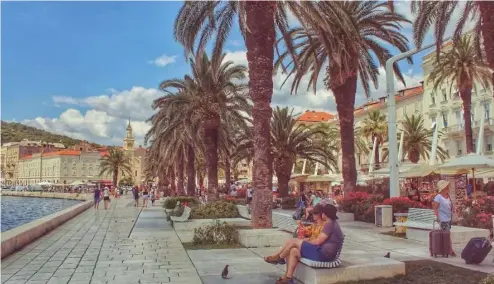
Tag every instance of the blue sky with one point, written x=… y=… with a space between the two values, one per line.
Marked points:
x=82 y=68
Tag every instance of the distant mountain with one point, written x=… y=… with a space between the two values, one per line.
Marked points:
x=15 y=132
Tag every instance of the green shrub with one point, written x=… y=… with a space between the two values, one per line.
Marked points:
x=217 y=233
x=488 y=280
x=170 y=202
x=214 y=210
x=177 y=211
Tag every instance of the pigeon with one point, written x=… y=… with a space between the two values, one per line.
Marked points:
x=224 y=273
x=387 y=255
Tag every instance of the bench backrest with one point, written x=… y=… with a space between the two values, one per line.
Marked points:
x=186 y=213
x=421 y=215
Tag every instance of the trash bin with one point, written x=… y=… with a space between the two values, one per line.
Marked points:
x=401 y=218
x=384 y=216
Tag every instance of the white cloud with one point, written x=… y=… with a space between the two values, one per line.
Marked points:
x=107 y=116
x=163 y=60
x=134 y=103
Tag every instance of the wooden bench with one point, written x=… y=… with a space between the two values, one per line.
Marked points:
x=185 y=216
x=418 y=218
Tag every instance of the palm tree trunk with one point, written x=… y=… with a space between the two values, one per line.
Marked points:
x=180 y=173
x=115 y=177
x=228 y=173
x=283 y=168
x=466 y=96
x=377 y=164
x=191 y=171
x=487 y=29
x=345 y=102
x=211 y=152
x=172 y=182
x=260 y=54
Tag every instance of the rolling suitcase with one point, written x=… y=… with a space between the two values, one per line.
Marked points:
x=439 y=242
x=476 y=250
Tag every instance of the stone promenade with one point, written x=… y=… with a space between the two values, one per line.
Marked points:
x=120 y=245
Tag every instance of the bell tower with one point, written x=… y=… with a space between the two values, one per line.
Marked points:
x=128 y=142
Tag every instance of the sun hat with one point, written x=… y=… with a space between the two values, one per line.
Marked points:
x=441 y=185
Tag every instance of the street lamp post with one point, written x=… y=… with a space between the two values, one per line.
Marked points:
x=393 y=143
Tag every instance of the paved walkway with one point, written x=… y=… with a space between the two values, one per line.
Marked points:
x=119 y=245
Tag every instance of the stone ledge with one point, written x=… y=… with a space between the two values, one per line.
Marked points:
x=374 y=268
x=44 y=194
x=459 y=235
x=345 y=217
x=258 y=238
x=13 y=240
x=192 y=224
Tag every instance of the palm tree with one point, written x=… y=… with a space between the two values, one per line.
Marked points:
x=257 y=21
x=417 y=140
x=214 y=94
x=290 y=141
x=115 y=162
x=375 y=126
x=347 y=48
x=461 y=67
x=438 y=14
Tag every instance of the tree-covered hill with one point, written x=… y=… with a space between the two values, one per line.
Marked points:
x=15 y=132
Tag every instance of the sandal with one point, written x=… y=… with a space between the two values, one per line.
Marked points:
x=273 y=259
x=284 y=280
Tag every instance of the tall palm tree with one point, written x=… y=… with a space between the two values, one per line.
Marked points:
x=347 y=50
x=375 y=126
x=213 y=94
x=290 y=141
x=417 y=142
x=438 y=14
x=257 y=21
x=461 y=67
x=115 y=162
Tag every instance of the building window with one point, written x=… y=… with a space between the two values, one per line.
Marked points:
x=487 y=111
x=489 y=147
x=136 y=173
x=416 y=107
x=445 y=96
x=445 y=119
x=433 y=98
x=459 y=120
x=458 y=148
x=404 y=111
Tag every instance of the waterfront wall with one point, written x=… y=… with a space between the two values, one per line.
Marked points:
x=44 y=194
x=15 y=239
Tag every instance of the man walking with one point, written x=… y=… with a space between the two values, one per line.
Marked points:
x=97 y=197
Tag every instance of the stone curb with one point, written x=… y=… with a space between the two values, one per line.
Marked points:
x=13 y=240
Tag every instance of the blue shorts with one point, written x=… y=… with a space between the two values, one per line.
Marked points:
x=313 y=252
x=96 y=199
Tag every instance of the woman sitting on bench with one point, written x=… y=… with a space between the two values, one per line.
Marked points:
x=324 y=248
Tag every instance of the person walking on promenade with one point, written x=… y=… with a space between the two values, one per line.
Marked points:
x=152 y=195
x=135 y=194
x=443 y=209
x=106 y=197
x=97 y=197
x=145 y=197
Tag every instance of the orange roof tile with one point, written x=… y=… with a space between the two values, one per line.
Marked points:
x=402 y=94
x=315 y=116
x=63 y=153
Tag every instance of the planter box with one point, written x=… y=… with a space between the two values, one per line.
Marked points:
x=345 y=217
x=192 y=224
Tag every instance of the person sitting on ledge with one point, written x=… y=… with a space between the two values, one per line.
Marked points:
x=324 y=248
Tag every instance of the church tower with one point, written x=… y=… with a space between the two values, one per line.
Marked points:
x=128 y=142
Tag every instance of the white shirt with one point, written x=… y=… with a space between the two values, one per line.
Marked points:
x=105 y=192
x=249 y=192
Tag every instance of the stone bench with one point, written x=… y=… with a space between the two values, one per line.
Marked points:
x=185 y=216
x=351 y=270
x=258 y=238
x=192 y=224
x=244 y=211
x=421 y=221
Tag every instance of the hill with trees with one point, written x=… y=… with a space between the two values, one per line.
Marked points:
x=15 y=132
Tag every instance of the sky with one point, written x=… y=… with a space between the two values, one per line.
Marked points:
x=83 y=69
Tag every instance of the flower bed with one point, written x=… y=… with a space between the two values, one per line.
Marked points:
x=478 y=215
x=235 y=200
x=171 y=202
x=216 y=234
x=215 y=210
